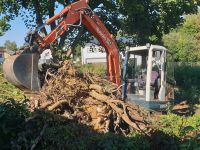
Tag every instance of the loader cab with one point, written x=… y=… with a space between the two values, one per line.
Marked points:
x=145 y=76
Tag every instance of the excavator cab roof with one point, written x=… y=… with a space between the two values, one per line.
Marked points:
x=142 y=50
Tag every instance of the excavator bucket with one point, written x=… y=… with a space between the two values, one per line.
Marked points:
x=22 y=71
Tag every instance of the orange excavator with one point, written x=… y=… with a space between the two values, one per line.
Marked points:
x=22 y=69
x=138 y=84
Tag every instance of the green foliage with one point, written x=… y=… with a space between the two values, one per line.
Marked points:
x=192 y=95
x=179 y=126
x=186 y=129
x=188 y=78
x=149 y=20
x=95 y=69
x=77 y=52
x=9 y=9
x=8 y=90
x=175 y=132
x=183 y=46
x=10 y=45
x=12 y=119
x=80 y=137
x=187 y=75
x=35 y=12
x=68 y=134
x=183 y=41
x=4 y=26
x=146 y=20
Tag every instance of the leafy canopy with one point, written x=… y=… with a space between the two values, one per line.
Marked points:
x=183 y=42
x=10 y=45
x=4 y=26
x=150 y=19
x=145 y=20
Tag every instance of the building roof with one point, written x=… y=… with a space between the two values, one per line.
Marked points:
x=2 y=49
x=10 y=52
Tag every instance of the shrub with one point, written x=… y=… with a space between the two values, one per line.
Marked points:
x=8 y=90
x=96 y=69
x=183 y=131
x=188 y=81
x=183 y=42
x=179 y=126
x=12 y=119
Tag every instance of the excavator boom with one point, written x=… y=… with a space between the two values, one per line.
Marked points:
x=22 y=71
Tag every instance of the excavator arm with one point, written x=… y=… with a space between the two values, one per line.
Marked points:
x=78 y=12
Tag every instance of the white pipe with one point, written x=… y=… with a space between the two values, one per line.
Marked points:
x=161 y=94
x=149 y=70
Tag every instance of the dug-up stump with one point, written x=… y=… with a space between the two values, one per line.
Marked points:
x=90 y=100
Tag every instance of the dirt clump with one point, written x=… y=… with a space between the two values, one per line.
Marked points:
x=91 y=100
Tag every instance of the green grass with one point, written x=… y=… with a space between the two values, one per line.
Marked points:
x=179 y=126
x=9 y=91
x=96 y=69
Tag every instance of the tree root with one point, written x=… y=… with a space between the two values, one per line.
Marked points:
x=45 y=105
x=119 y=111
x=90 y=100
x=57 y=104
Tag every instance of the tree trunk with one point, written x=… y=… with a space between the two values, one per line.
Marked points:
x=51 y=13
x=39 y=20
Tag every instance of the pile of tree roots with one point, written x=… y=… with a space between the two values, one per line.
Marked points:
x=90 y=100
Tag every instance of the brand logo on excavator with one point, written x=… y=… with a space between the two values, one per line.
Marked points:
x=108 y=41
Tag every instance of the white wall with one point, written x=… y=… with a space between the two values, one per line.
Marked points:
x=93 y=53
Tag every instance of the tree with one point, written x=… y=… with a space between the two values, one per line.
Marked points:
x=150 y=19
x=8 y=11
x=10 y=45
x=183 y=42
x=4 y=26
x=146 y=20
x=34 y=12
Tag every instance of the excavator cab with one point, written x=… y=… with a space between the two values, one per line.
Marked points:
x=145 y=77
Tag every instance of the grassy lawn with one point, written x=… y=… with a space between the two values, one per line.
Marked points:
x=96 y=69
x=9 y=91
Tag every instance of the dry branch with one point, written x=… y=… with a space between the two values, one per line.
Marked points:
x=91 y=101
x=96 y=87
x=45 y=104
x=57 y=104
x=118 y=110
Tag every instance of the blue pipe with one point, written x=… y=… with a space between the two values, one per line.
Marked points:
x=124 y=81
